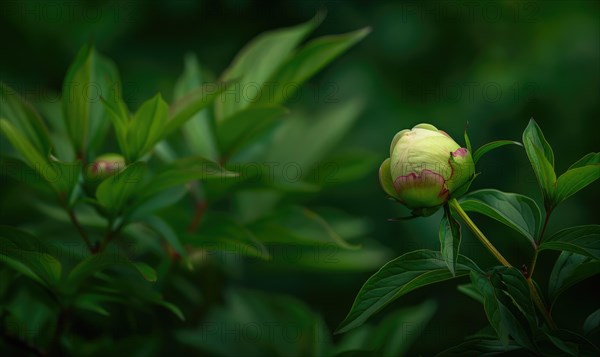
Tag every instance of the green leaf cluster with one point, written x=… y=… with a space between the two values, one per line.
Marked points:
x=208 y=187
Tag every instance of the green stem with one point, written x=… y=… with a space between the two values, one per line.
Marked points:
x=539 y=241
x=110 y=235
x=534 y=292
x=197 y=218
x=80 y=229
x=533 y=262
x=537 y=300
x=541 y=238
x=482 y=238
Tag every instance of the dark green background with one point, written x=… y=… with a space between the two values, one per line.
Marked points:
x=492 y=65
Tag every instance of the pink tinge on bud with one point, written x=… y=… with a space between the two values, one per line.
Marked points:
x=425 y=190
x=462 y=152
x=104 y=166
x=99 y=166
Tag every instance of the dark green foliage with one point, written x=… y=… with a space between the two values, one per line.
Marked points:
x=114 y=250
x=508 y=295
x=220 y=248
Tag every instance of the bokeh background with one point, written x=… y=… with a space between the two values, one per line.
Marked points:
x=487 y=66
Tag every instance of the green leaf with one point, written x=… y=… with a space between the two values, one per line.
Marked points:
x=238 y=129
x=68 y=178
x=309 y=59
x=346 y=225
x=541 y=158
x=508 y=305
x=477 y=346
x=90 y=77
x=592 y=158
x=30 y=315
x=125 y=291
x=22 y=239
x=91 y=302
x=173 y=308
x=98 y=262
x=449 y=234
x=591 y=324
x=19 y=171
x=154 y=120
x=389 y=337
x=87 y=215
x=119 y=115
x=397 y=278
x=195 y=101
x=62 y=176
x=584 y=240
x=297 y=225
x=148 y=273
x=325 y=129
x=24 y=118
x=276 y=325
x=471 y=291
x=574 y=180
x=518 y=212
x=546 y=175
x=580 y=174
x=570 y=269
x=34 y=158
x=26 y=254
x=568 y=342
x=183 y=171
x=220 y=233
x=144 y=206
x=147 y=127
x=114 y=192
x=257 y=62
x=564 y=346
x=197 y=132
x=41 y=267
x=534 y=134
x=467 y=139
x=491 y=146
x=165 y=230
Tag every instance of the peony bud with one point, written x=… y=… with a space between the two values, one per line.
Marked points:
x=105 y=166
x=425 y=168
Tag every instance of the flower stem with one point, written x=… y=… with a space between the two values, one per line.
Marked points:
x=482 y=238
x=534 y=292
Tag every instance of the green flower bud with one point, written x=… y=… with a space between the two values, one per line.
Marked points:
x=105 y=166
x=425 y=168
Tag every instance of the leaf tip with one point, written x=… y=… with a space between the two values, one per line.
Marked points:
x=365 y=31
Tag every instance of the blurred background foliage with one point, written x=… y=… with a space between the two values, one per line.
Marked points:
x=489 y=66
